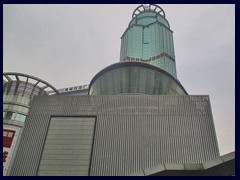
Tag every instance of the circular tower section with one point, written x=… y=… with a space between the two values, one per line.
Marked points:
x=147 y=59
x=135 y=77
x=148 y=38
x=18 y=91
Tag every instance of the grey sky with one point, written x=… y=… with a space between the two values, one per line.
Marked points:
x=66 y=45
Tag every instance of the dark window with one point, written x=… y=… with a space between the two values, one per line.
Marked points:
x=9 y=115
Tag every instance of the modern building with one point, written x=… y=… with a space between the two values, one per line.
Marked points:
x=137 y=118
x=18 y=91
x=147 y=59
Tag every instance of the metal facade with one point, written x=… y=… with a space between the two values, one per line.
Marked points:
x=132 y=132
x=68 y=147
x=18 y=91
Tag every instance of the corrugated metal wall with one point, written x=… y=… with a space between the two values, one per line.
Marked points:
x=132 y=132
x=68 y=147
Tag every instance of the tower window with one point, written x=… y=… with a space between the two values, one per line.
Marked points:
x=9 y=115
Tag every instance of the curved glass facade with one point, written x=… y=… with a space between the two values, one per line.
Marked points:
x=133 y=77
x=18 y=91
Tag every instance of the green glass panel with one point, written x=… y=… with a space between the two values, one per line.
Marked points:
x=163 y=21
x=135 y=80
x=144 y=14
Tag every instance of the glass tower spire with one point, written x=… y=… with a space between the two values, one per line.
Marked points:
x=149 y=39
x=147 y=59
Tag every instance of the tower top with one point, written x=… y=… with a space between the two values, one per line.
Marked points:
x=148 y=7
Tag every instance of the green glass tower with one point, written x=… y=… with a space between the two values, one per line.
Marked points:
x=149 y=39
x=147 y=59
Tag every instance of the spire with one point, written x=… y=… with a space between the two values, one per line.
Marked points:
x=148 y=7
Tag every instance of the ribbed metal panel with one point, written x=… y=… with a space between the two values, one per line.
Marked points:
x=68 y=147
x=132 y=132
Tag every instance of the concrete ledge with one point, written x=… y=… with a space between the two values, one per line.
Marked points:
x=212 y=163
x=220 y=166
x=193 y=167
x=228 y=156
x=154 y=169
x=174 y=166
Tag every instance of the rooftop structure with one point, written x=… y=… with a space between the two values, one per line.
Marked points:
x=26 y=84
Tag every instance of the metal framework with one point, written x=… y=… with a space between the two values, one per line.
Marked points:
x=150 y=7
x=9 y=77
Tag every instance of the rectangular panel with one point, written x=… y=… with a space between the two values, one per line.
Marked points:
x=10 y=136
x=66 y=152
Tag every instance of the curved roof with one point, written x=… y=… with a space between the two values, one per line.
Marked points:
x=150 y=7
x=13 y=76
x=133 y=63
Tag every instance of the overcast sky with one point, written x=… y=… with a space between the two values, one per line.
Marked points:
x=66 y=45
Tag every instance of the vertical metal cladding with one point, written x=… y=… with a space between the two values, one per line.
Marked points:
x=18 y=91
x=147 y=134
x=132 y=132
x=68 y=146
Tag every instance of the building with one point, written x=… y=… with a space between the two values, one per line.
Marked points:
x=147 y=59
x=137 y=118
x=18 y=91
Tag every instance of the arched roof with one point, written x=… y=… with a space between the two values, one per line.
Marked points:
x=13 y=76
x=150 y=7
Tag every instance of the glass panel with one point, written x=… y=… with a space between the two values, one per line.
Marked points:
x=22 y=118
x=9 y=115
x=135 y=80
x=17 y=117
